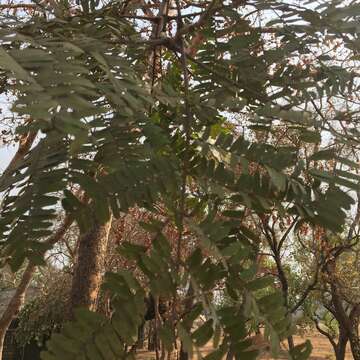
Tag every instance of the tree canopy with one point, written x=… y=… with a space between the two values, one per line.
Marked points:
x=214 y=117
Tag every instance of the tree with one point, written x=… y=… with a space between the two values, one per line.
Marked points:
x=128 y=136
x=306 y=261
x=335 y=308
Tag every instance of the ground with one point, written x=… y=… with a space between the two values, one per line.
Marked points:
x=322 y=349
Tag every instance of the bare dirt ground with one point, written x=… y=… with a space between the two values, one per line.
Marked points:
x=322 y=350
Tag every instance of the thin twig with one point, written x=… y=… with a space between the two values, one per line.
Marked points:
x=17 y=6
x=189 y=28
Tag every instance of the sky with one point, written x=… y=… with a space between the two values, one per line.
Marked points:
x=6 y=153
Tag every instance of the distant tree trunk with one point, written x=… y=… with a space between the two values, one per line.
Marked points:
x=355 y=344
x=89 y=267
x=230 y=355
x=341 y=346
x=355 y=348
x=284 y=288
x=347 y=321
x=151 y=337
x=291 y=344
x=15 y=304
x=141 y=336
x=183 y=354
x=188 y=305
x=353 y=332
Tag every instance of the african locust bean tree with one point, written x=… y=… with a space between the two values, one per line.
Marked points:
x=134 y=103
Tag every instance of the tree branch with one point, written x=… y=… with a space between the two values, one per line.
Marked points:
x=210 y=10
x=25 y=143
x=325 y=333
x=303 y=297
x=17 y=6
x=285 y=235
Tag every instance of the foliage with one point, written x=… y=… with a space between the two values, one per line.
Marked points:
x=45 y=313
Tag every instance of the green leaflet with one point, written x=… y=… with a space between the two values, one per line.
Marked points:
x=100 y=337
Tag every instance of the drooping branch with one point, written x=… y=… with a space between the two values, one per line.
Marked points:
x=325 y=333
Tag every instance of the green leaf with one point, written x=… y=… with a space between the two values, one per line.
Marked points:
x=131 y=251
x=278 y=179
x=302 y=351
x=185 y=338
x=167 y=336
x=310 y=137
x=323 y=155
x=260 y=283
x=203 y=334
x=9 y=63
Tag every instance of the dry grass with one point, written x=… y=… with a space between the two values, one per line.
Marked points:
x=322 y=349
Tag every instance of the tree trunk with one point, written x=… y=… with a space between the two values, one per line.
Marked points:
x=183 y=354
x=151 y=337
x=187 y=308
x=354 y=332
x=350 y=323
x=230 y=355
x=341 y=346
x=355 y=345
x=284 y=288
x=141 y=336
x=89 y=267
x=15 y=304
x=290 y=341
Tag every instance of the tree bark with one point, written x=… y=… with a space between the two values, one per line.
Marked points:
x=230 y=355
x=290 y=341
x=141 y=336
x=89 y=267
x=285 y=290
x=151 y=337
x=18 y=298
x=15 y=304
x=341 y=346
x=350 y=323
x=354 y=344
x=187 y=308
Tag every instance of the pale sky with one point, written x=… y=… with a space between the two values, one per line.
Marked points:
x=6 y=153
